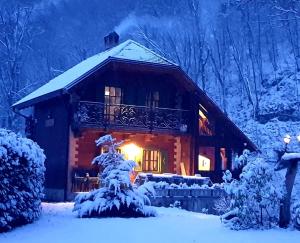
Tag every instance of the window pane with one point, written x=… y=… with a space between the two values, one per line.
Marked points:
x=151 y=160
x=118 y=92
x=206 y=159
x=112 y=91
x=106 y=92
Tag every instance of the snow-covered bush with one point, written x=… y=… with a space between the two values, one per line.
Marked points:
x=117 y=197
x=176 y=204
x=241 y=161
x=21 y=180
x=222 y=205
x=255 y=197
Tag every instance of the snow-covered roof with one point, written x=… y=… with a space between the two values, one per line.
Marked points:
x=128 y=50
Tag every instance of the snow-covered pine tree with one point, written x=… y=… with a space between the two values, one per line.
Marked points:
x=117 y=197
x=255 y=197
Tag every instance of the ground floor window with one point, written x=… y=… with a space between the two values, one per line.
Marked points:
x=224 y=158
x=151 y=161
x=206 y=159
x=148 y=160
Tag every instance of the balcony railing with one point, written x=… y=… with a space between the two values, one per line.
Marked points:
x=94 y=114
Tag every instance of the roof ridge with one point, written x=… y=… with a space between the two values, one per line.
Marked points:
x=120 y=47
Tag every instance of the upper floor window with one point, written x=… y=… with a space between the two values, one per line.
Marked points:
x=112 y=95
x=152 y=99
x=112 y=100
x=206 y=126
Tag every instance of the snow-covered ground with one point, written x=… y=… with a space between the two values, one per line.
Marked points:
x=59 y=225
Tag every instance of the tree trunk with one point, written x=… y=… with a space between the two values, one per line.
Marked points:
x=285 y=213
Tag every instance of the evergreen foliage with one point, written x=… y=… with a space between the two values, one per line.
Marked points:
x=117 y=197
x=22 y=177
x=255 y=197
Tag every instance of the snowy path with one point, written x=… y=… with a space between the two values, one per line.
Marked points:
x=59 y=225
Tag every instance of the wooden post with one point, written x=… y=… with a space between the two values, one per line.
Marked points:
x=285 y=213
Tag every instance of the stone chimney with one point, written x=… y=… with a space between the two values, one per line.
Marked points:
x=111 y=40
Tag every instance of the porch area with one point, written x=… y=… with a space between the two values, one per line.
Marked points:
x=155 y=154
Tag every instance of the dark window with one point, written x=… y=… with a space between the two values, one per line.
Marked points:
x=151 y=161
x=152 y=99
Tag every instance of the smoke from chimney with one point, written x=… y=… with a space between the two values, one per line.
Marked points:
x=126 y=24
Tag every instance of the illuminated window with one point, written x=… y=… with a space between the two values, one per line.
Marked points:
x=206 y=127
x=223 y=158
x=204 y=163
x=132 y=151
x=206 y=159
x=147 y=160
x=112 y=99
x=151 y=161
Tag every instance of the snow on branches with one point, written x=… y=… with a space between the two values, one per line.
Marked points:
x=22 y=177
x=255 y=197
x=117 y=197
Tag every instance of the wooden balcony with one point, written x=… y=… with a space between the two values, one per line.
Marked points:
x=131 y=117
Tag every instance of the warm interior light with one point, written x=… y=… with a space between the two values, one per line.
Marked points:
x=203 y=163
x=131 y=151
x=106 y=92
x=202 y=115
x=287 y=139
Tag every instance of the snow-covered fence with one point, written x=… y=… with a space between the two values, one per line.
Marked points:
x=191 y=199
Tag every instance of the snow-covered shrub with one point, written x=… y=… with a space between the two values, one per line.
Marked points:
x=222 y=205
x=255 y=197
x=176 y=204
x=118 y=197
x=241 y=161
x=21 y=180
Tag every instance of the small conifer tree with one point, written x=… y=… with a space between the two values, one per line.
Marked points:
x=117 y=197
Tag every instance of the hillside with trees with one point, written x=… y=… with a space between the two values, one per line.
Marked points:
x=244 y=54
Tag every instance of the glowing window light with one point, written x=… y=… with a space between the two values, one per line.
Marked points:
x=131 y=151
x=202 y=115
x=298 y=138
x=203 y=163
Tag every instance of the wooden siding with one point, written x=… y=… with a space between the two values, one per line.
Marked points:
x=52 y=134
x=135 y=88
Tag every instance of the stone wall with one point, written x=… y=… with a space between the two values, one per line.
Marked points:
x=196 y=200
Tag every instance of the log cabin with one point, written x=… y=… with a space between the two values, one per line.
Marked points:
x=168 y=124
